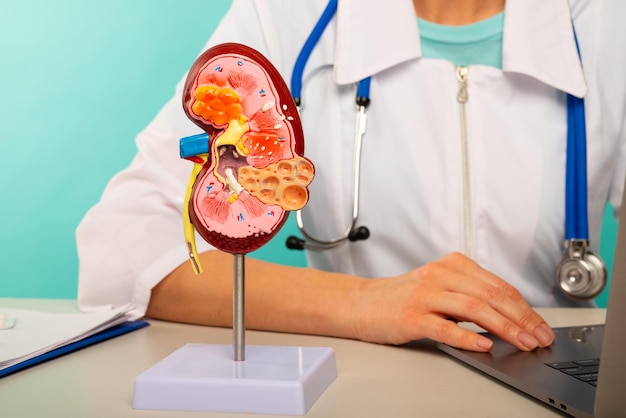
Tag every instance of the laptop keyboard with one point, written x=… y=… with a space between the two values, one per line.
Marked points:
x=585 y=370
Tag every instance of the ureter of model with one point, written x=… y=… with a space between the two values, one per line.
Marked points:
x=188 y=229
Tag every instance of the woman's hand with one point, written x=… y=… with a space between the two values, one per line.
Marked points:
x=427 y=302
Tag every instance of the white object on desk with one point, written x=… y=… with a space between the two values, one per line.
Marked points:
x=203 y=377
x=6 y=322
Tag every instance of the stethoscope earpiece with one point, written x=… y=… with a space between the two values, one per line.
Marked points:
x=358 y=234
x=295 y=243
x=581 y=274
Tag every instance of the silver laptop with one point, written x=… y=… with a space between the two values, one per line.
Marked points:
x=583 y=373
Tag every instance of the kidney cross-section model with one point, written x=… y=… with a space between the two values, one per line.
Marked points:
x=249 y=171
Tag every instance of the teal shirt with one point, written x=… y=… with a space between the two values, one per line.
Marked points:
x=477 y=43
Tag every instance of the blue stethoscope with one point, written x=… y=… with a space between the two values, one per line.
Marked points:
x=581 y=274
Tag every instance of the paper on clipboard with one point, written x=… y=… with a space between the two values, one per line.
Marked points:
x=36 y=332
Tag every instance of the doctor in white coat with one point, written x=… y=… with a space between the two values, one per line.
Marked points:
x=465 y=206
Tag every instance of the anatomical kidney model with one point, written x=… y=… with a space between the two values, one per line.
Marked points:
x=248 y=171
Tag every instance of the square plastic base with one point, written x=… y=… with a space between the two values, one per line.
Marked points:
x=204 y=377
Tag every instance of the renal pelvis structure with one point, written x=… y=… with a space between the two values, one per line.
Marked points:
x=248 y=171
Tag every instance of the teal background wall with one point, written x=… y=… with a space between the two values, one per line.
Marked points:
x=78 y=80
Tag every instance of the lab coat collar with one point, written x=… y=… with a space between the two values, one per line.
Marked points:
x=538 y=40
x=373 y=36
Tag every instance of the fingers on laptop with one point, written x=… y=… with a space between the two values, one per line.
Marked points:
x=476 y=295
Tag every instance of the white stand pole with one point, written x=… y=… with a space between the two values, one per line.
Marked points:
x=239 y=293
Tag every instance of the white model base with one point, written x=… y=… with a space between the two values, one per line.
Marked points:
x=203 y=377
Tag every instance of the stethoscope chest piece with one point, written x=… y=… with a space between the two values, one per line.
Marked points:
x=581 y=274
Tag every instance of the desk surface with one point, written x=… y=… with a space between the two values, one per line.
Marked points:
x=373 y=380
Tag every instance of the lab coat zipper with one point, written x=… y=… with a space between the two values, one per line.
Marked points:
x=462 y=97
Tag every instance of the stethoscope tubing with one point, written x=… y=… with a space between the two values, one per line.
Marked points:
x=307 y=49
x=576 y=211
x=362 y=101
x=359 y=132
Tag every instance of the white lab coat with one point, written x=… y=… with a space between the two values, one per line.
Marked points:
x=412 y=177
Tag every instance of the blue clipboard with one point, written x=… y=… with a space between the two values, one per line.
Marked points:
x=121 y=329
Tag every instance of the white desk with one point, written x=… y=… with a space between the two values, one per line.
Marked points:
x=373 y=381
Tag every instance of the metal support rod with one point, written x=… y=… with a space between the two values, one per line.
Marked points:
x=239 y=328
